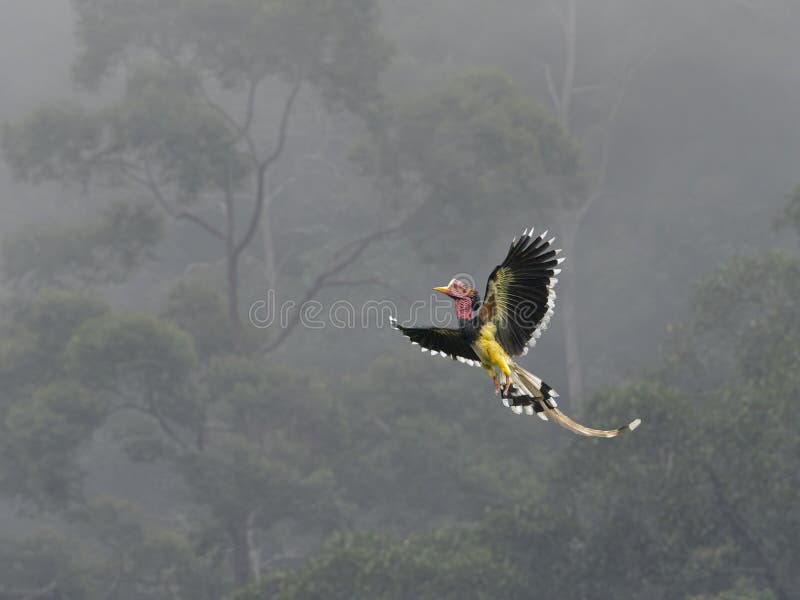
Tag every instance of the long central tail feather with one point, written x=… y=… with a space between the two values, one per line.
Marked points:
x=559 y=417
x=531 y=394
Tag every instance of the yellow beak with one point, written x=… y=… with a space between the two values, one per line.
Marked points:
x=442 y=290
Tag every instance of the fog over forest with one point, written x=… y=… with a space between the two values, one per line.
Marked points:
x=174 y=172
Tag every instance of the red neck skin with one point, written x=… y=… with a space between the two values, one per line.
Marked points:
x=464 y=309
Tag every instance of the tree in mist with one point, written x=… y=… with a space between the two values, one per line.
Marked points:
x=791 y=213
x=479 y=152
x=71 y=367
x=50 y=411
x=586 y=90
x=24 y=565
x=491 y=559
x=104 y=250
x=193 y=126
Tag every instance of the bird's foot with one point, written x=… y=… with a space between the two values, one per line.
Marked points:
x=497 y=385
x=508 y=385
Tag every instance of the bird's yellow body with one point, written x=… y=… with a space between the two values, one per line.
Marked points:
x=491 y=353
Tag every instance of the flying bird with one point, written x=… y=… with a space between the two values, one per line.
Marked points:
x=516 y=309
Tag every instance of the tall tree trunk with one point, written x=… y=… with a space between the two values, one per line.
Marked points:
x=268 y=239
x=252 y=546
x=570 y=63
x=566 y=218
x=240 y=556
x=232 y=269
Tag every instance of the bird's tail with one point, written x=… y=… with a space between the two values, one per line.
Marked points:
x=531 y=395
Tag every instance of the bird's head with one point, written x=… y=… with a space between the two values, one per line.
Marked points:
x=455 y=289
x=466 y=297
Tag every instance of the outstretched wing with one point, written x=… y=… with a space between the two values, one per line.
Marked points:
x=519 y=294
x=440 y=340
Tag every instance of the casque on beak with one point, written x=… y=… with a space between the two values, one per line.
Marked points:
x=442 y=290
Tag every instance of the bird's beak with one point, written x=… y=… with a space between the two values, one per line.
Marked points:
x=442 y=290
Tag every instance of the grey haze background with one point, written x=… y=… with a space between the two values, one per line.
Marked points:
x=702 y=153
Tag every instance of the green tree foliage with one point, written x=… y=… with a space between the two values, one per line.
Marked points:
x=743 y=590
x=200 y=311
x=46 y=415
x=43 y=566
x=792 y=211
x=103 y=250
x=43 y=437
x=244 y=440
x=136 y=557
x=332 y=43
x=412 y=446
x=450 y=566
x=129 y=558
x=500 y=557
x=223 y=425
x=36 y=334
x=140 y=354
x=480 y=147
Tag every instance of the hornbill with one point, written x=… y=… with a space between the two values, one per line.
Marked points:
x=518 y=305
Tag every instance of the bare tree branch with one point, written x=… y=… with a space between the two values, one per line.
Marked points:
x=570 y=65
x=155 y=190
x=152 y=411
x=262 y=170
x=323 y=279
x=551 y=88
x=608 y=131
x=559 y=14
x=242 y=129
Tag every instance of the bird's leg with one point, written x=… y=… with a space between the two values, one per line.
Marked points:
x=508 y=384
x=490 y=372
x=497 y=385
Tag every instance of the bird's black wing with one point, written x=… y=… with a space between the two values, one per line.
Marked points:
x=519 y=294
x=440 y=341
